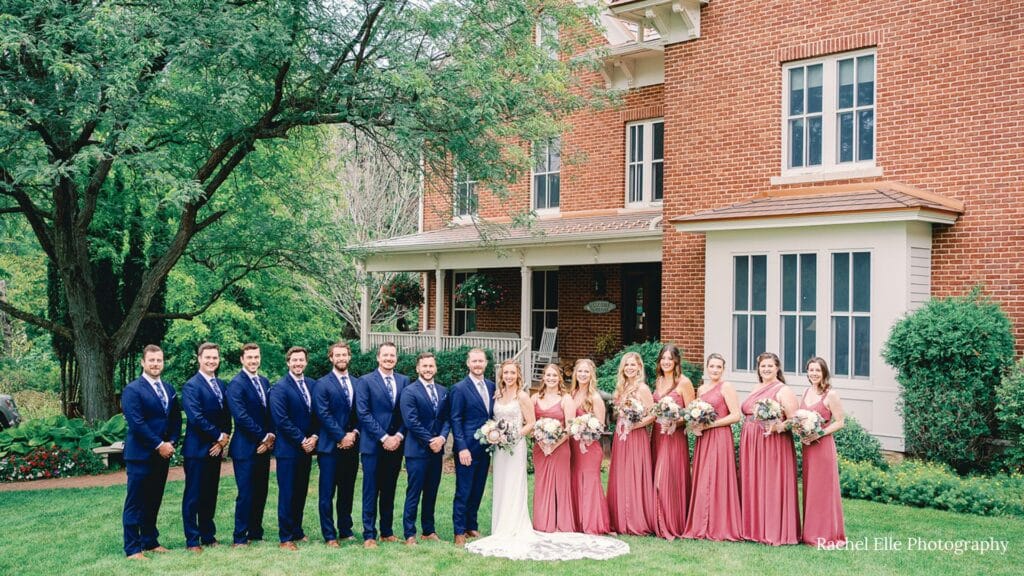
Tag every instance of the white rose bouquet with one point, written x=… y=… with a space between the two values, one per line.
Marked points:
x=698 y=414
x=585 y=429
x=667 y=412
x=498 y=435
x=806 y=425
x=547 y=432
x=767 y=412
x=629 y=413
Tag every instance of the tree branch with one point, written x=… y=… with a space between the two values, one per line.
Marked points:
x=245 y=271
x=53 y=327
x=9 y=187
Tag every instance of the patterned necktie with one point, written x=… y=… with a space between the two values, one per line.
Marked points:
x=390 y=383
x=433 y=395
x=305 y=393
x=216 y=391
x=259 y=391
x=163 y=395
x=344 y=391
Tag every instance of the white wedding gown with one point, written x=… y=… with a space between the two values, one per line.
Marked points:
x=512 y=534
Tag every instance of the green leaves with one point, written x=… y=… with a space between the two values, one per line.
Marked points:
x=61 y=432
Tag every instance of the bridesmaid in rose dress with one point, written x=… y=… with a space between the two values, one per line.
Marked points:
x=769 y=507
x=671 y=449
x=823 y=503
x=715 y=499
x=631 y=476
x=589 y=503
x=552 y=477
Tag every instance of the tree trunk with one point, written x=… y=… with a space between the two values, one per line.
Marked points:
x=95 y=366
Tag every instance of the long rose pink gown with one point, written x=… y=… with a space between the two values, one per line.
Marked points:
x=671 y=477
x=769 y=505
x=715 y=498
x=589 y=503
x=552 y=482
x=823 y=503
x=631 y=506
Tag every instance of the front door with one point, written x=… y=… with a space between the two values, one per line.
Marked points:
x=641 y=302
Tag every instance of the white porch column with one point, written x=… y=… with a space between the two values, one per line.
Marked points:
x=438 y=303
x=526 y=312
x=364 y=306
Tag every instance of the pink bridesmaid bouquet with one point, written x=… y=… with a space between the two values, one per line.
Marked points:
x=768 y=412
x=667 y=412
x=806 y=425
x=585 y=429
x=699 y=413
x=629 y=413
x=498 y=435
x=547 y=432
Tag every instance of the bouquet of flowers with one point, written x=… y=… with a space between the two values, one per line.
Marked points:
x=806 y=425
x=768 y=412
x=585 y=429
x=667 y=412
x=546 y=432
x=498 y=435
x=629 y=413
x=697 y=413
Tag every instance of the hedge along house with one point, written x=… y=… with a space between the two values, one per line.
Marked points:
x=796 y=175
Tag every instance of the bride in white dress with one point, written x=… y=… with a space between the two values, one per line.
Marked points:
x=512 y=535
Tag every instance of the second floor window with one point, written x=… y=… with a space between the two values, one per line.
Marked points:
x=645 y=162
x=465 y=198
x=547 y=167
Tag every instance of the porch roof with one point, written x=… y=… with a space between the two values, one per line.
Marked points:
x=827 y=205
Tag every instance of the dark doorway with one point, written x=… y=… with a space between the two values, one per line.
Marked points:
x=641 y=302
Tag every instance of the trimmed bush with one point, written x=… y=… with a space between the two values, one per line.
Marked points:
x=949 y=356
x=451 y=364
x=608 y=370
x=854 y=444
x=1010 y=412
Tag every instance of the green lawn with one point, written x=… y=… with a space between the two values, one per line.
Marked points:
x=79 y=532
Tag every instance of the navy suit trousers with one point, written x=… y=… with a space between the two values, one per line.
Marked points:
x=337 y=478
x=252 y=476
x=146 y=480
x=424 y=478
x=292 y=485
x=470 y=482
x=380 y=480
x=199 y=502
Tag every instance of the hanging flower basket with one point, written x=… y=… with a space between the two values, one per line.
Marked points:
x=403 y=291
x=480 y=291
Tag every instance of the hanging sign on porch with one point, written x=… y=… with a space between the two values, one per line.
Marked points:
x=599 y=307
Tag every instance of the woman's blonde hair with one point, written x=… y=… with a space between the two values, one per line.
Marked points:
x=561 y=380
x=499 y=390
x=624 y=389
x=588 y=403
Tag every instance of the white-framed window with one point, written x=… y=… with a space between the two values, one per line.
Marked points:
x=645 y=162
x=547 y=36
x=749 y=309
x=798 y=310
x=851 y=314
x=547 y=168
x=465 y=202
x=544 y=304
x=463 y=313
x=828 y=110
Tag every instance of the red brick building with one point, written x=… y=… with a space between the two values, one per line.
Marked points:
x=789 y=176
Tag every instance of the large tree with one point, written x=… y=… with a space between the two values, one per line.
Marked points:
x=174 y=96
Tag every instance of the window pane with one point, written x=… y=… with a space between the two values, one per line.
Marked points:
x=540 y=157
x=814 y=89
x=808 y=282
x=741 y=285
x=636 y=174
x=739 y=343
x=814 y=141
x=846 y=84
x=555 y=155
x=841 y=282
x=539 y=183
x=808 y=336
x=637 y=154
x=846 y=137
x=796 y=143
x=759 y=283
x=470 y=320
x=862 y=282
x=841 y=345
x=537 y=329
x=553 y=190
x=866 y=135
x=551 y=293
x=866 y=80
x=659 y=141
x=658 y=184
x=460 y=323
x=796 y=91
x=758 y=345
x=789 y=340
x=537 y=293
x=862 y=346
x=789 y=283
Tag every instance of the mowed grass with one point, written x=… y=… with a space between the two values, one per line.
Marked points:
x=78 y=531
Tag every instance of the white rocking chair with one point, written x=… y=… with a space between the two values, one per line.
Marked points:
x=546 y=354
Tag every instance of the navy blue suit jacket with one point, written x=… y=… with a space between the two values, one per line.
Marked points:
x=252 y=418
x=468 y=414
x=337 y=417
x=377 y=416
x=148 y=424
x=293 y=421
x=206 y=417
x=422 y=422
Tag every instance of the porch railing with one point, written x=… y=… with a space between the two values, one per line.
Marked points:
x=502 y=348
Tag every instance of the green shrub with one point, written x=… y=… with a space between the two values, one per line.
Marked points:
x=48 y=462
x=1010 y=412
x=609 y=369
x=949 y=356
x=60 y=432
x=451 y=364
x=854 y=444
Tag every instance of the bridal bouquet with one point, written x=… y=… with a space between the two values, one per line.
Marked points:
x=498 y=435
x=547 y=432
x=699 y=413
x=667 y=412
x=585 y=429
x=767 y=412
x=806 y=425
x=629 y=413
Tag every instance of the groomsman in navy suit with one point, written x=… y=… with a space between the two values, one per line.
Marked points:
x=424 y=406
x=337 y=450
x=248 y=399
x=153 y=415
x=207 y=431
x=291 y=406
x=380 y=442
x=472 y=404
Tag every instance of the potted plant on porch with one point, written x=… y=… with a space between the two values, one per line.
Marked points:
x=401 y=294
x=481 y=291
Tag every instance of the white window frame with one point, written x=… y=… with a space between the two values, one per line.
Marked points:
x=534 y=173
x=546 y=36
x=471 y=191
x=749 y=312
x=830 y=167
x=460 y=308
x=850 y=314
x=543 y=275
x=646 y=164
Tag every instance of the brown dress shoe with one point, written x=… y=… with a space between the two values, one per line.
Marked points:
x=391 y=538
x=410 y=541
x=288 y=546
x=333 y=544
x=240 y=545
x=195 y=549
x=137 y=556
x=368 y=544
x=158 y=550
x=472 y=533
x=460 y=540
x=432 y=536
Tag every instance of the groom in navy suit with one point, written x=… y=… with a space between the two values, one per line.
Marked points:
x=153 y=415
x=424 y=407
x=380 y=442
x=472 y=404
x=207 y=431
